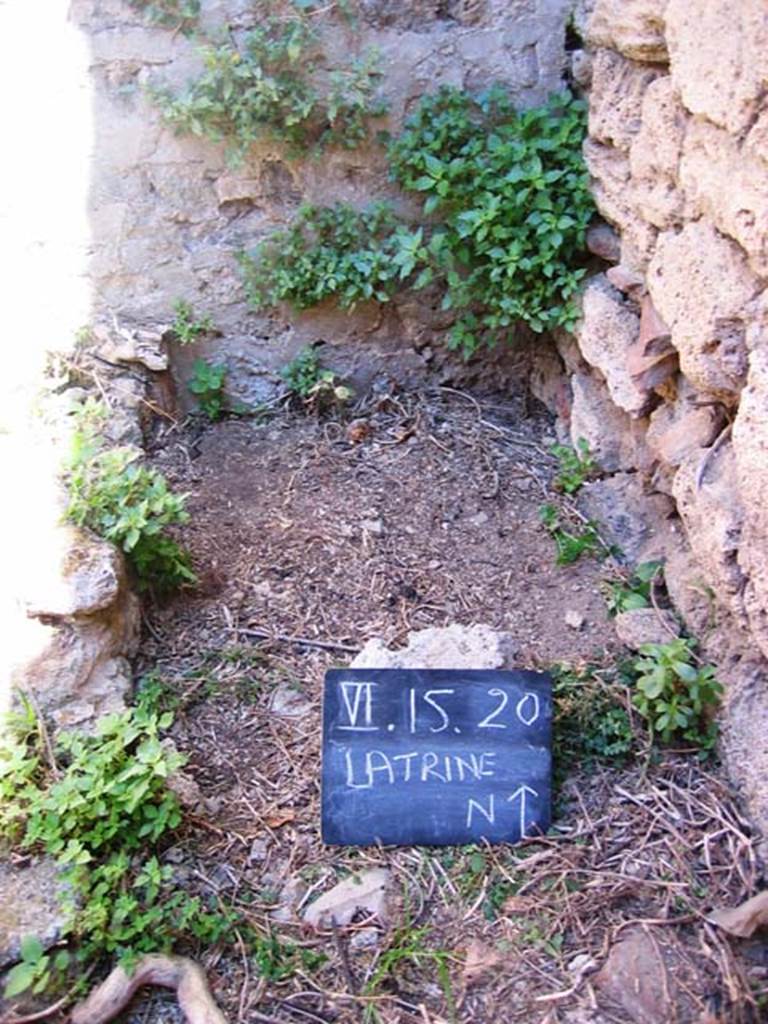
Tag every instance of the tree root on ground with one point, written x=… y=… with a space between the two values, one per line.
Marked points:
x=177 y=972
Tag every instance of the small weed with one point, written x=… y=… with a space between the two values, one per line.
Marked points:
x=470 y=870
x=498 y=894
x=316 y=387
x=187 y=326
x=242 y=654
x=99 y=814
x=264 y=88
x=83 y=335
x=108 y=802
x=591 y=722
x=37 y=969
x=207 y=385
x=634 y=592
x=180 y=15
x=674 y=696
x=157 y=695
x=576 y=466
x=274 y=960
x=570 y=545
x=408 y=948
x=113 y=494
x=536 y=934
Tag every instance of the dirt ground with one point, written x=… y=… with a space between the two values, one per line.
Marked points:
x=312 y=536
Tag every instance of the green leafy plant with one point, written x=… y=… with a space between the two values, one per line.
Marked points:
x=207 y=385
x=187 y=326
x=506 y=206
x=98 y=804
x=570 y=545
x=95 y=810
x=125 y=502
x=180 y=15
x=268 y=88
x=36 y=969
x=408 y=947
x=635 y=591
x=591 y=721
x=676 y=697
x=328 y=252
x=576 y=466
x=276 y=960
x=315 y=386
x=511 y=191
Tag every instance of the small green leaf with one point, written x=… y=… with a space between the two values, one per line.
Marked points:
x=18 y=980
x=31 y=948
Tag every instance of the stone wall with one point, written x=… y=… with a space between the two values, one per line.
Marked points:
x=168 y=215
x=669 y=383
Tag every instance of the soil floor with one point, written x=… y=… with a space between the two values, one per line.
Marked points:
x=312 y=535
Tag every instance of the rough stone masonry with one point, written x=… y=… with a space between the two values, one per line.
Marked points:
x=168 y=214
x=673 y=346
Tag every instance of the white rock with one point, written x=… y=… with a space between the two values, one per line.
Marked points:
x=640 y=626
x=447 y=647
x=288 y=702
x=367 y=892
x=29 y=906
x=574 y=619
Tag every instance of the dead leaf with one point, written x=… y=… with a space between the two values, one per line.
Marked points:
x=480 y=959
x=518 y=904
x=366 y=891
x=280 y=817
x=358 y=431
x=743 y=920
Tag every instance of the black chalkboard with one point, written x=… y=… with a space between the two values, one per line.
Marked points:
x=435 y=757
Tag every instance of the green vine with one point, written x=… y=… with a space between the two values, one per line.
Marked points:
x=275 y=85
x=506 y=207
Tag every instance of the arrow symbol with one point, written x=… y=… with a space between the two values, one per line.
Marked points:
x=521 y=792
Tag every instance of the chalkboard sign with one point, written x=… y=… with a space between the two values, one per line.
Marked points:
x=435 y=757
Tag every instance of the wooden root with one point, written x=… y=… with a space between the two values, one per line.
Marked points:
x=176 y=972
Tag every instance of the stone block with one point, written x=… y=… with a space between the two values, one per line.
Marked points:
x=633 y=27
x=630 y=518
x=709 y=505
x=684 y=428
x=744 y=734
x=614 y=439
x=608 y=328
x=611 y=176
x=651 y=358
x=548 y=381
x=29 y=905
x=689 y=592
x=603 y=241
x=750 y=444
x=640 y=626
x=616 y=98
x=719 y=58
x=627 y=281
x=701 y=284
x=655 y=154
x=80 y=575
x=727 y=183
